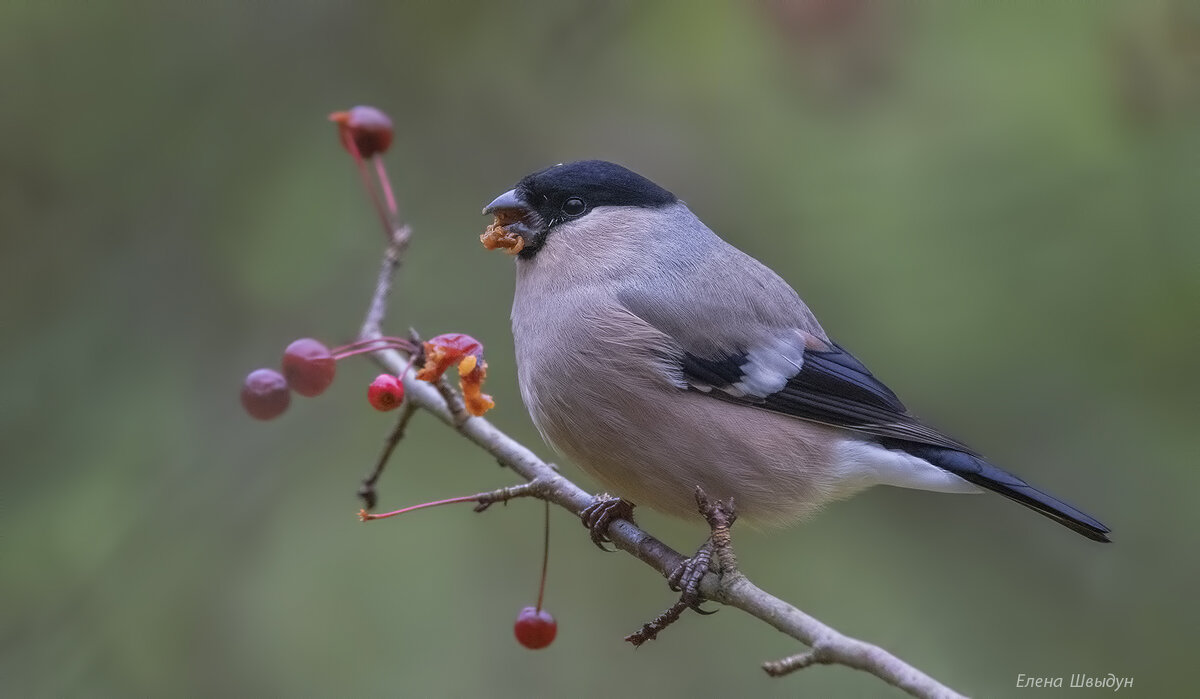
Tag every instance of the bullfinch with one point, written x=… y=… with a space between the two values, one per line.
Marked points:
x=659 y=358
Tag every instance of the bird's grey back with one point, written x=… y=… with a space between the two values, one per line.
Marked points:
x=618 y=256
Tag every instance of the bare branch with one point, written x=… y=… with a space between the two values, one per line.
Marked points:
x=826 y=645
x=651 y=629
x=383 y=286
x=367 y=490
x=530 y=489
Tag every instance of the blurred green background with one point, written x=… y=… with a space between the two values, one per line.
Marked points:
x=992 y=204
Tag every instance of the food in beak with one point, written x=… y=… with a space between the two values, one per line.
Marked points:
x=497 y=235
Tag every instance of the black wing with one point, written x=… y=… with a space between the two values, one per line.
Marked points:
x=830 y=387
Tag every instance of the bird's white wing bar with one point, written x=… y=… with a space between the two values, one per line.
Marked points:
x=768 y=367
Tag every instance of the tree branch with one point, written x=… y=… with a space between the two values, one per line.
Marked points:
x=826 y=644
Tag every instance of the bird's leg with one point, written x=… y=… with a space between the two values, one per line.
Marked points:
x=686 y=578
x=598 y=515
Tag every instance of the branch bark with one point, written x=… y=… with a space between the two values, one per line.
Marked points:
x=826 y=644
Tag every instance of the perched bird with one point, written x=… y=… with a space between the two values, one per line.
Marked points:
x=660 y=358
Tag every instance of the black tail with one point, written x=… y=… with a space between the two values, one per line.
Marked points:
x=975 y=470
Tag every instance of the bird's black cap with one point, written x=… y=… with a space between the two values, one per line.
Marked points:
x=594 y=182
x=566 y=192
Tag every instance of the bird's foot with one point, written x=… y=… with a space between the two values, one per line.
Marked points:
x=685 y=579
x=600 y=514
x=716 y=555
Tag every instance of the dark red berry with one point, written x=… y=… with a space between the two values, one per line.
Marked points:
x=309 y=367
x=265 y=394
x=369 y=129
x=535 y=628
x=385 y=393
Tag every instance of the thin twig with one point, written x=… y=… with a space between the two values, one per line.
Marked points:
x=367 y=490
x=392 y=257
x=651 y=629
x=531 y=489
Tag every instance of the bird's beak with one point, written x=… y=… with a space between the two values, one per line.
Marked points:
x=508 y=202
x=516 y=227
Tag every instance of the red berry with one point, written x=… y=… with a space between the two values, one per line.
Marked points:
x=308 y=366
x=265 y=394
x=535 y=628
x=385 y=393
x=370 y=129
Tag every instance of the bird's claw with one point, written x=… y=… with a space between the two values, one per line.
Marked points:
x=716 y=554
x=686 y=577
x=600 y=514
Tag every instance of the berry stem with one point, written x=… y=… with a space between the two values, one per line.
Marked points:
x=386 y=185
x=365 y=174
x=372 y=345
x=545 y=556
x=365 y=350
x=367 y=516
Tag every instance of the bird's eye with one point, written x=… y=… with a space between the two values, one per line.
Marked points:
x=574 y=206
